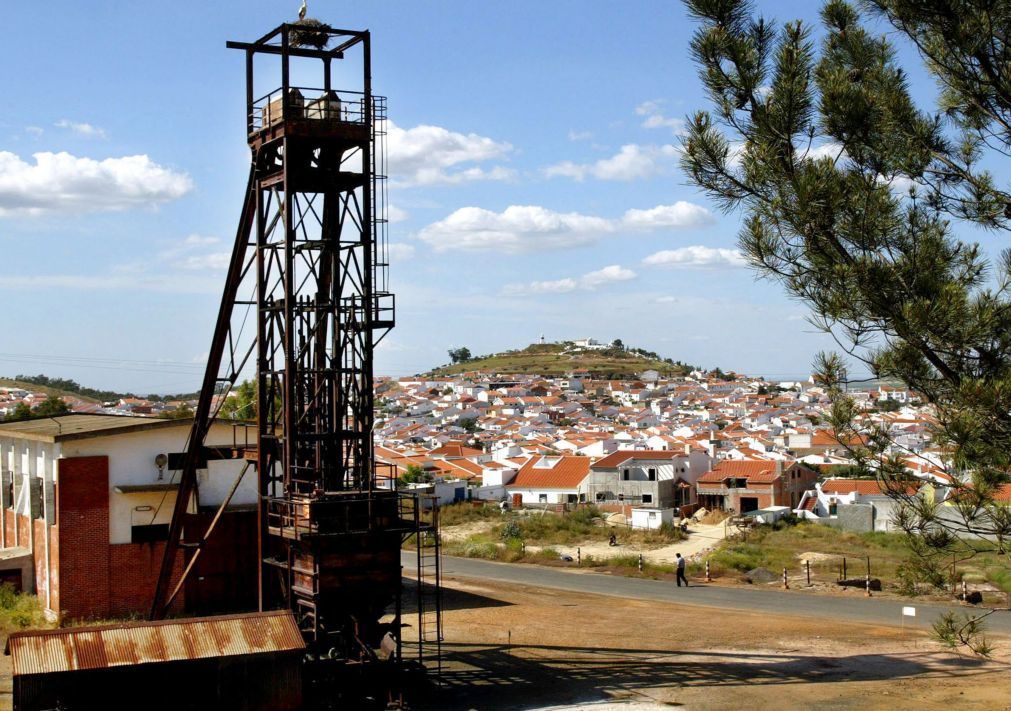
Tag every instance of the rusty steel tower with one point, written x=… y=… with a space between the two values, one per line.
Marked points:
x=307 y=300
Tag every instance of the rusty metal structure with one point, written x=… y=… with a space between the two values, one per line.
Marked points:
x=307 y=297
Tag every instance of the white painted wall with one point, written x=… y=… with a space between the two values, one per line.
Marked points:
x=650 y=518
x=131 y=462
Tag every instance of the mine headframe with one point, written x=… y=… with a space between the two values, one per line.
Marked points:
x=310 y=250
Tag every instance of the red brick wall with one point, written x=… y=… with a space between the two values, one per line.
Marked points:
x=54 y=568
x=9 y=527
x=133 y=570
x=39 y=556
x=83 y=505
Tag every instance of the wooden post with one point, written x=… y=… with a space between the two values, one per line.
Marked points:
x=579 y=556
x=807 y=564
x=953 y=572
x=844 y=567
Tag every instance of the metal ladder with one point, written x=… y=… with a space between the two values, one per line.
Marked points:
x=430 y=633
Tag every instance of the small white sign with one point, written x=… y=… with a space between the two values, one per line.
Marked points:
x=909 y=611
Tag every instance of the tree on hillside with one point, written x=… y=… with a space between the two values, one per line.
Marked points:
x=241 y=404
x=414 y=474
x=459 y=355
x=52 y=406
x=851 y=196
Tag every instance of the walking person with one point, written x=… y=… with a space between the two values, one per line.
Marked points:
x=681 y=570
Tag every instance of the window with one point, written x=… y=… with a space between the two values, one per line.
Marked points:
x=651 y=474
x=647 y=498
x=601 y=496
x=625 y=474
x=149 y=533
x=542 y=498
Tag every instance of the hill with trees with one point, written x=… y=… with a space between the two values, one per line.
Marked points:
x=558 y=359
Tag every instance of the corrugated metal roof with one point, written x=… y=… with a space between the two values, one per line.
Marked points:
x=105 y=646
x=70 y=427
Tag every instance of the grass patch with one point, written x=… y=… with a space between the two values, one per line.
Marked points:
x=19 y=610
x=467 y=512
x=778 y=547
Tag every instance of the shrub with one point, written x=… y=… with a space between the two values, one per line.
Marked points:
x=512 y=531
x=19 y=610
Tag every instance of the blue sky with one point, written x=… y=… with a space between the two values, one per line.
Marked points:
x=534 y=185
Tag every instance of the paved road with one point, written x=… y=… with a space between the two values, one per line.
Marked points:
x=781 y=602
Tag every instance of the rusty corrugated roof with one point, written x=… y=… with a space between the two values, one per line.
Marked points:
x=74 y=426
x=100 y=647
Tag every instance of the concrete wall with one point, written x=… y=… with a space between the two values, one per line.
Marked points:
x=858 y=518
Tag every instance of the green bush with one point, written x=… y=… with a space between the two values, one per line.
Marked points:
x=19 y=610
x=511 y=531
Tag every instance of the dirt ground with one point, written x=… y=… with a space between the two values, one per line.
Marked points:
x=518 y=647
x=701 y=538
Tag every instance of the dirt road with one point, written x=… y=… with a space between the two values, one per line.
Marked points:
x=520 y=647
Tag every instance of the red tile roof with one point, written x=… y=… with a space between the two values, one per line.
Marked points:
x=653 y=455
x=756 y=471
x=566 y=473
x=455 y=449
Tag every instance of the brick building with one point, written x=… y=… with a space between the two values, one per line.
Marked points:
x=751 y=484
x=86 y=501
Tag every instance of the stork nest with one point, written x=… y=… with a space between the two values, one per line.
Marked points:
x=310 y=33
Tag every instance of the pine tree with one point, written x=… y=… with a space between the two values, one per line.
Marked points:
x=851 y=195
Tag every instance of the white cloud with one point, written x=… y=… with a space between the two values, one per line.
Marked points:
x=696 y=256
x=588 y=282
x=655 y=118
x=81 y=129
x=432 y=155
x=395 y=214
x=606 y=275
x=666 y=299
x=580 y=135
x=215 y=260
x=174 y=283
x=632 y=162
x=190 y=254
x=399 y=251
x=518 y=229
x=529 y=228
x=34 y=130
x=63 y=183
x=826 y=150
x=680 y=214
x=558 y=286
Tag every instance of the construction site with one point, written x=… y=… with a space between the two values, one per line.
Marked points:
x=304 y=577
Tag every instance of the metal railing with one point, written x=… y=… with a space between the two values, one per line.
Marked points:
x=307 y=103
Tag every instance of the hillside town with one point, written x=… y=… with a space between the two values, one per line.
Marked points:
x=709 y=441
x=739 y=445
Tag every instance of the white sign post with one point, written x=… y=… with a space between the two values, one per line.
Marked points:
x=907 y=612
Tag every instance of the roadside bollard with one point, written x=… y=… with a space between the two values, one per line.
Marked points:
x=807 y=564
x=523 y=547
x=965 y=592
x=708 y=579
x=786 y=582
x=640 y=562
x=868 y=593
x=579 y=556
